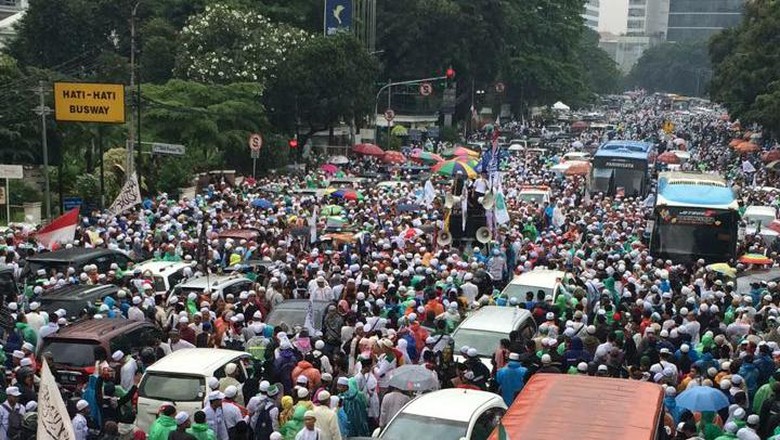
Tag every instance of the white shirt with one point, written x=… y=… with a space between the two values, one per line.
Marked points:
x=231 y=413
x=321 y=294
x=180 y=345
x=305 y=434
x=216 y=421
x=135 y=314
x=80 y=427
x=470 y=291
x=127 y=374
x=327 y=423
x=4 y=417
x=49 y=329
x=256 y=404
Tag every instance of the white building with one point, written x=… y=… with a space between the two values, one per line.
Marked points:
x=591 y=14
x=646 y=26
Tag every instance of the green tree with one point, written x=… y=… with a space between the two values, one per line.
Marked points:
x=682 y=68
x=227 y=44
x=328 y=80
x=746 y=66
x=212 y=121
x=601 y=72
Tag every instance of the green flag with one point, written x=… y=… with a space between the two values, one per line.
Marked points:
x=502 y=435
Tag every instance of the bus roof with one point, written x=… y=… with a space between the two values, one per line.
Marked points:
x=555 y=406
x=627 y=149
x=695 y=189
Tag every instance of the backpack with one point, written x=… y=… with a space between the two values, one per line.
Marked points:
x=263 y=427
x=14 y=422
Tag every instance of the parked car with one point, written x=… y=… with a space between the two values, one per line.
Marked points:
x=485 y=327
x=165 y=275
x=75 y=257
x=450 y=414
x=75 y=300
x=222 y=285
x=293 y=313
x=73 y=348
x=181 y=378
x=533 y=281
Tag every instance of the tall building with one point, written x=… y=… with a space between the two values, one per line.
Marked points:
x=647 y=18
x=591 y=14
x=691 y=20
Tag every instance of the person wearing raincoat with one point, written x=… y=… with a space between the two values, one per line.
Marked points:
x=164 y=424
x=355 y=407
x=670 y=404
x=290 y=429
x=707 y=426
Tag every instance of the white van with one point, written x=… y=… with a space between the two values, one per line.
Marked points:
x=484 y=329
x=165 y=274
x=449 y=414
x=757 y=218
x=222 y=285
x=181 y=378
x=533 y=281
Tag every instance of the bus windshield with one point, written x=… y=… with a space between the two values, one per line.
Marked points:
x=703 y=233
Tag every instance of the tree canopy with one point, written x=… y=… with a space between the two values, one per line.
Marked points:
x=682 y=68
x=746 y=66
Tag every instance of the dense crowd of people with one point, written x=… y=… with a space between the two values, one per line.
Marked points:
x=396 y=293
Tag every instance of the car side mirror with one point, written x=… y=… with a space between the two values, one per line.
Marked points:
x=376 y=432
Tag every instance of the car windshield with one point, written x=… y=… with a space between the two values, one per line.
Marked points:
x=485 y=342
x=72 y=309
x=519 y=291
x=406 y=426
x=531 y=197
x=172 y=387
x=72 y=353
x=291 y=317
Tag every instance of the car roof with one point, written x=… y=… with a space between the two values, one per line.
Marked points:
x=300 y=304
x=452 y=404
x=72 y=254
x=758 y=275
x=495 y=319
x=195 y=361
x=79 y=293
x=158 y=267
x=760 y=210
x=537 y=278
x=207 y=281
x=97 y=329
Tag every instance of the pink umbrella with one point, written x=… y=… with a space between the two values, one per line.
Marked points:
x=329 y=168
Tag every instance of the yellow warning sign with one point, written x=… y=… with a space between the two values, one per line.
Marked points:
x=89 y=102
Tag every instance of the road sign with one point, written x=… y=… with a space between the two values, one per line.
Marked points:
x=11 y=172
x=168 y=149
x=254 y=154
x=255 y=142
x=426 y=89
x=389 y=114
x=69 y=203
x=500 y=87
x=338 y=16
x=89 y=102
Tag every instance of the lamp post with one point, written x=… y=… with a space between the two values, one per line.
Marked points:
x=401 y=83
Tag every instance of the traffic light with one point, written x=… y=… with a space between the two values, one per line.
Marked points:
x=293 y=143
x=450 y=73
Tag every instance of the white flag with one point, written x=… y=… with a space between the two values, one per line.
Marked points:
x=748 y=167
x=129 y=196
x=53 y=420
x=501 y=212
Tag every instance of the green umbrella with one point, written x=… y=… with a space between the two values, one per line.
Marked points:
x=332 y=210
x=399 y=130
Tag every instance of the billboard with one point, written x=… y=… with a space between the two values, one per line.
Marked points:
x=338 y=16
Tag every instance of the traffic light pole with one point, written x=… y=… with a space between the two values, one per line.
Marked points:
x=393 y=84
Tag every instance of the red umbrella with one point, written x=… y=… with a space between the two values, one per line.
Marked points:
x=577 y=168
x=393 y=157
x=329 y=168
x=668 y=157
x=770 y=156
x=368 y=150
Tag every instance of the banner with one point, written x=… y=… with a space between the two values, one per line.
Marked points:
x=129 y=196
x=53 y=420
x=338 y=16
x=501 y=213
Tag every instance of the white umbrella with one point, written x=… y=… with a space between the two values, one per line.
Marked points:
x=515 y=147
x=561 y=106
x=338 y=160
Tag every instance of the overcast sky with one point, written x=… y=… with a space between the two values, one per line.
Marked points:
x=612 y=16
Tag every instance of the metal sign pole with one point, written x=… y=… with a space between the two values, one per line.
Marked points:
x=254 y=168
x=7 y=202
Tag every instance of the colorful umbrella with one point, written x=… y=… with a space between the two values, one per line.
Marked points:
x=577 y=168
x=331 y=210
x=329 y=168
x=261 y=203
x=774 y=226
x=702 y=398
x=669 y=158
x=460 y=151
x=421 y=156
x=723 y=269
x=746 y=147
x=347 y=194
x=393 y=157
x=468 y=160
x=399 y=130
x=770 y=156
x=368 y=150
x=755 y=259
x=412 y=233
x=452 y=167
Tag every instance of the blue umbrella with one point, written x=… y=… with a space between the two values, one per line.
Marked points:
x=261 y=203
x=702 y=398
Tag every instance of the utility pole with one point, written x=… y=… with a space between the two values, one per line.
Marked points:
x=42 y=110
x=131 y=141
